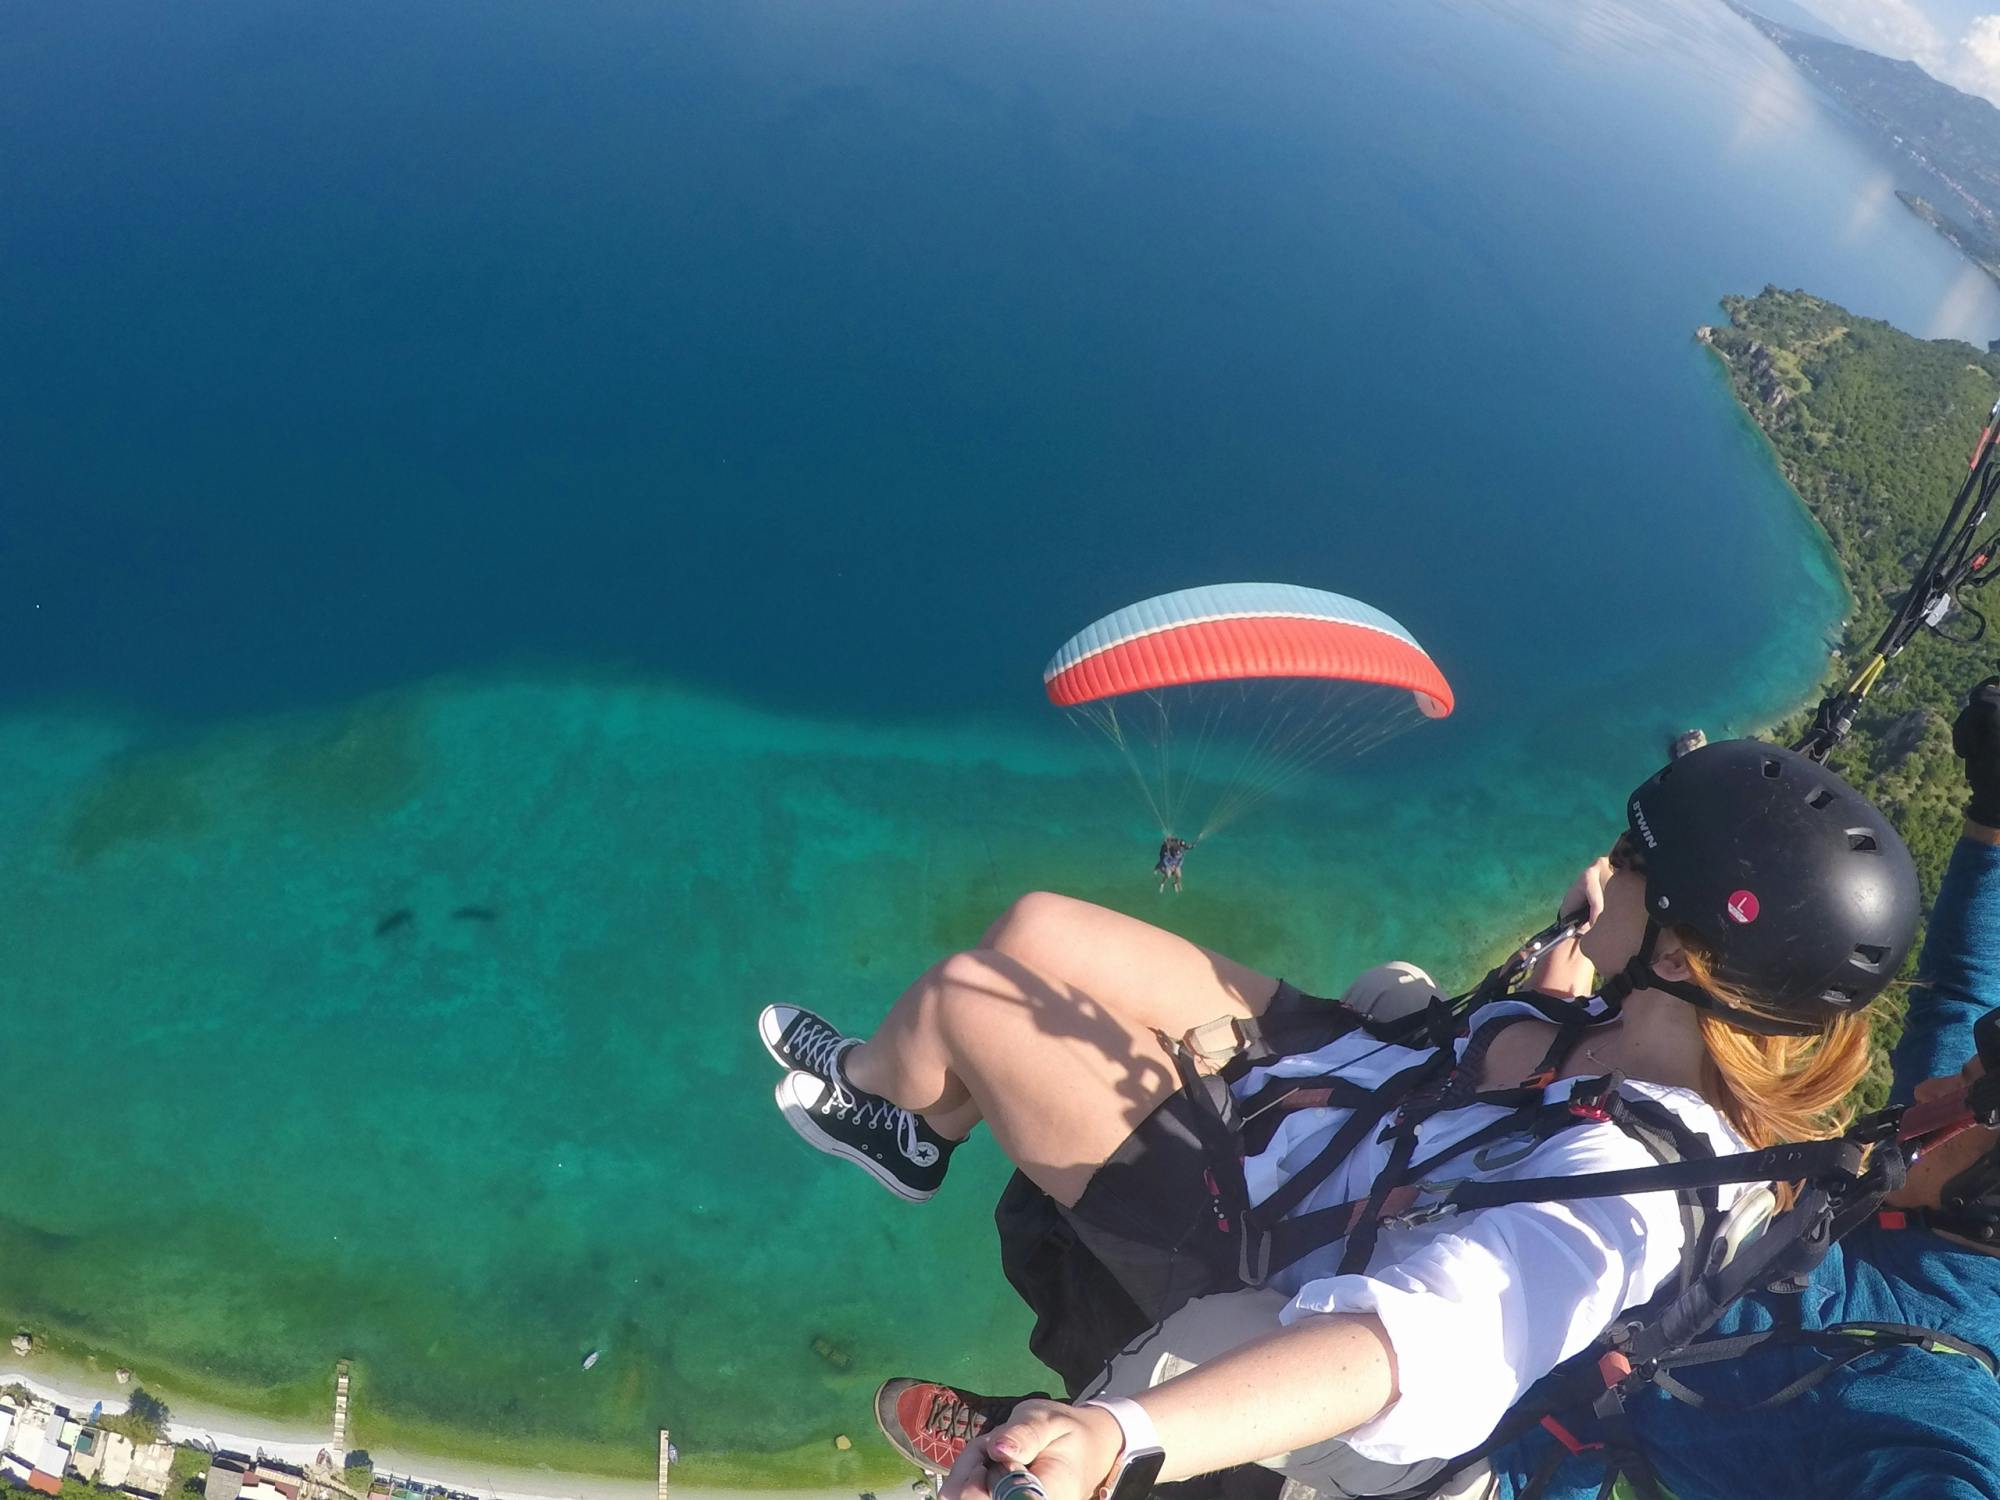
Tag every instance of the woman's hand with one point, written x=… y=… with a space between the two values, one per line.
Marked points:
x=1563 y=970
x=1071 y=1449
x=1585 y=896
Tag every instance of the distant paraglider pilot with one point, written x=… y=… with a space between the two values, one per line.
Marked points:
x=1264 y=680
x=1168 y=867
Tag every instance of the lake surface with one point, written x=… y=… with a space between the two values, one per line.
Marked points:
x=617 y=470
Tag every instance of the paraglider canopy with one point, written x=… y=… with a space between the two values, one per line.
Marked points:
x=1228 y=631
x=1228 y=692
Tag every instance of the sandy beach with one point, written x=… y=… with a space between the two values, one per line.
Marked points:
x=257 y=1437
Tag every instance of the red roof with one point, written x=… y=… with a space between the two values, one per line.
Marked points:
x=48 y=1484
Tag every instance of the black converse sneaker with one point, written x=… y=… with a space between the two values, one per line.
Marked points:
x=891 y=1144
x=796 y=1038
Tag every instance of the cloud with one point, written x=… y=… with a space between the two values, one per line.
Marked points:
x=1901 y=28
x=1895 y=28
x=1978 y=62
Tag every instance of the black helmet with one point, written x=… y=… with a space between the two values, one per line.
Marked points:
x=1799 y=888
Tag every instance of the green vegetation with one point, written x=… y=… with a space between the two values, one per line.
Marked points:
x=1873 y=428
x=143 y=1419
x=359 y=1472
x=188 y=1462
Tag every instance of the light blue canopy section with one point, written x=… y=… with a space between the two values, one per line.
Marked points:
x=1219 y=601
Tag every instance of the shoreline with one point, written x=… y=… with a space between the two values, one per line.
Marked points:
x=203 y=1425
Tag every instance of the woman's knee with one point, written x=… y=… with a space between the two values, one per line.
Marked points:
x=968 y=996
x=969 y=974
x=1038 y=925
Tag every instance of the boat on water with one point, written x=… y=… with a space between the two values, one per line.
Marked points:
x=591 y=1358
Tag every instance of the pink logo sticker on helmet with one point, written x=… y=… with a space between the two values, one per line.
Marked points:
x=1743 y=907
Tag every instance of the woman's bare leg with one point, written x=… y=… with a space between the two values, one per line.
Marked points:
x=1060 y=1070
x=1141 y=971
x=1059 y=1079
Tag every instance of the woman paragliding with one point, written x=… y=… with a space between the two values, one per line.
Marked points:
x=1752 y=909
x=1219 y=697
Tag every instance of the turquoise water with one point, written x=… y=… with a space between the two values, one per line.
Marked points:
x=621 y=468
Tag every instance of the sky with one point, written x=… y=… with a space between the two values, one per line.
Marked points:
x=1957 y=41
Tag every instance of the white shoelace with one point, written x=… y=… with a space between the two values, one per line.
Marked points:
x=873 y=1112
x=820 y=1050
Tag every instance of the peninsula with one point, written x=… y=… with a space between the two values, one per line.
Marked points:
x=1872 y=428
x=1946 y=141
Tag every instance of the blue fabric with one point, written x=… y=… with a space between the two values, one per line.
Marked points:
x=1219 y=601
x=1901 y=1425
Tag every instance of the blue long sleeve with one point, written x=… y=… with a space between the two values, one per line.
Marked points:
x=1904 y=1425
x=1958 y=976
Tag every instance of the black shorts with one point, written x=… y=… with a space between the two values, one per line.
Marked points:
x=1150 y=1216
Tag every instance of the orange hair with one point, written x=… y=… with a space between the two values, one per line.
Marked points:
x=1779 y=1088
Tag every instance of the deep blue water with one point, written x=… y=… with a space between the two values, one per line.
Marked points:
x=847 y=356
x=844 y=357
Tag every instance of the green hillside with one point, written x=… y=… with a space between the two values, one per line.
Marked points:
x=1873 y=428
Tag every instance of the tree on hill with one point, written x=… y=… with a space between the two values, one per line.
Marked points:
x=1873 y=427
x=144 y=1419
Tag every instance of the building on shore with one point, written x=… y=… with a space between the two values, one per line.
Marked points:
x=150 y=1471
x=272 y=1481
x=87 y=1457
x=225 y=1478
x=36 y=1457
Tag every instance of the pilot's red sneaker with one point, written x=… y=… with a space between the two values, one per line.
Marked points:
x=930 y=1424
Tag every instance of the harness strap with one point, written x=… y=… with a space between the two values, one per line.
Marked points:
x=1284 y=1096
x=1545 y=1471
x=1296 y=1023
x=1298 y=1236
x=1348 y=1138
x=1788 y=1163
x=1623 y=1455
x=1596 y=1377
x=1843 y=1343
x=1458 y=1088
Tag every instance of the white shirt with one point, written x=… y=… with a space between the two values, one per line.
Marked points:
x=1480 y=1305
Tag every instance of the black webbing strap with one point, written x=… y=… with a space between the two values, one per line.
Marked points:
x=1287 y=1095
x=1262 y=1223
x=1842 y=1343
x=1572 y=1385
x=1352 y=1132
x=1298 y=1236
x=1794 y=1243
x=1595 y=1378
x=1623 y=1454
x=1789 y=1163
x=1545 y=1472
x=1282 y=1237
x=1458 y=1087
x=1670 y=1139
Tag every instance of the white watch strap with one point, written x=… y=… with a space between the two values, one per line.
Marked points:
x=1140 y=1434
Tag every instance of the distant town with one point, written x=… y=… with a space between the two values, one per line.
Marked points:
x=1949 y=139
x=49 y=1448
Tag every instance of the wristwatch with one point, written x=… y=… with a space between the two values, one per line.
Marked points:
x=1140 y=1460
